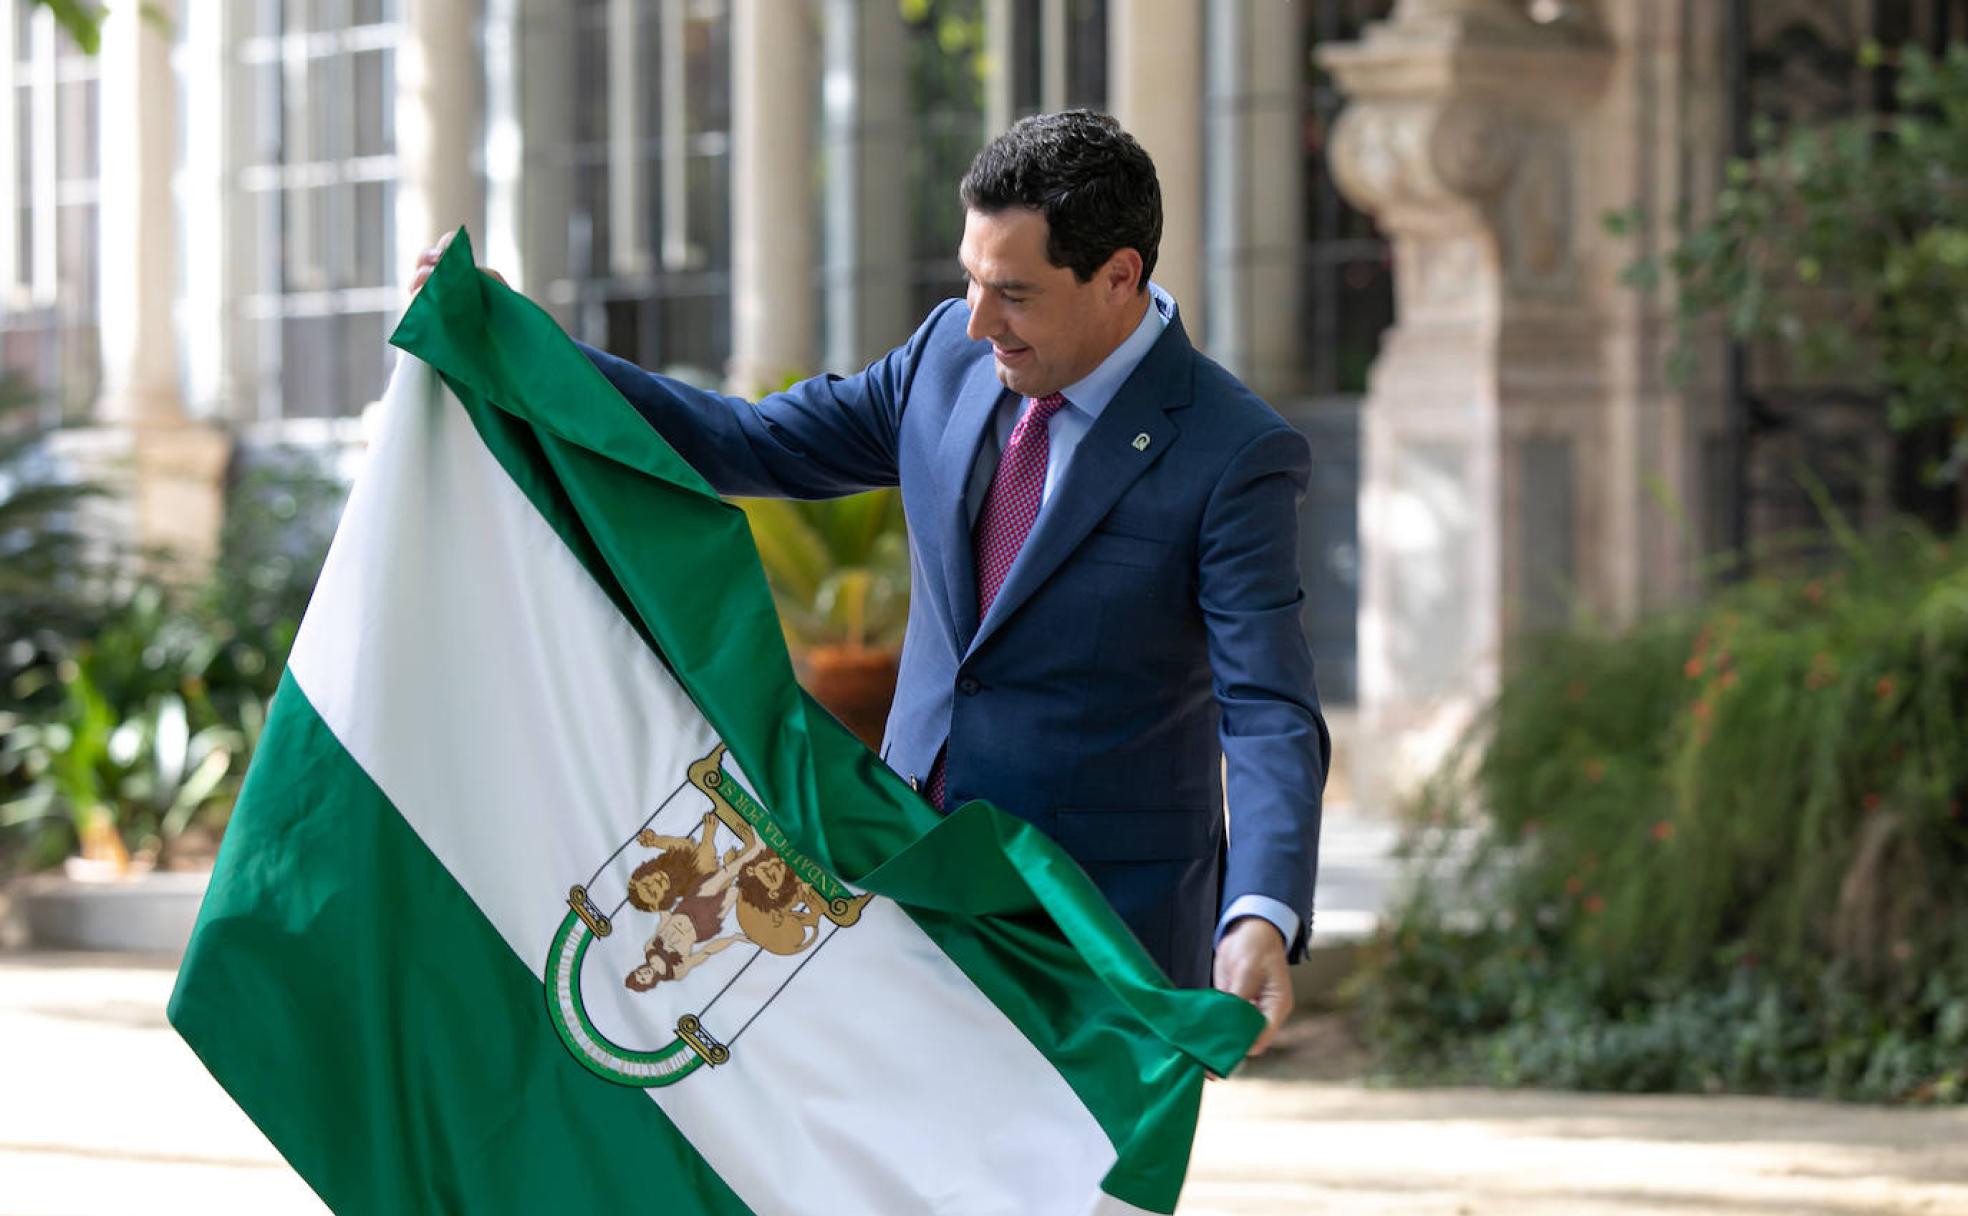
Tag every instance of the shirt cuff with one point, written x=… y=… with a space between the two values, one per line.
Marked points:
x=1276 y=911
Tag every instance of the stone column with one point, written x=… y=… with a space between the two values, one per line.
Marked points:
x=1053 y=55
x=171 y=468
x=209 y=209
x=1657 y=142
x=529 y=64
x=864 y=109
x=772 y=205
x=1155 y=75
x=440 y=126
x=1001 y=78
x=10 y=54
x=42 y=187
x=1481 y=422
x=1255 y=204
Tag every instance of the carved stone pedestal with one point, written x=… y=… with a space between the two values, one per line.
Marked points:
x=1462 y=141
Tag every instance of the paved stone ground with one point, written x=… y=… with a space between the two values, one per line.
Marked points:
x=103 y=1110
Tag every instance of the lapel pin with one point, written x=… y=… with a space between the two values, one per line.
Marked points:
x=1141 y=442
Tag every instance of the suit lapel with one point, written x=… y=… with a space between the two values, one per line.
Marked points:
x=1108 y=460
x=956 y=456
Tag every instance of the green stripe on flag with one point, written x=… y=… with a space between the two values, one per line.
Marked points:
x=401 y=1054
x=979 y=882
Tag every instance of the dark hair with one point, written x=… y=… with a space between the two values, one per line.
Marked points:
x=1093 y=183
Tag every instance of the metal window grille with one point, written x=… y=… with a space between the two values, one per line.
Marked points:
x=314 y=186
x=649 y=239
x=49 y=267
x=1788 y=64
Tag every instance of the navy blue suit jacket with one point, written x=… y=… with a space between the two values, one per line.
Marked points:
x=1145 y=645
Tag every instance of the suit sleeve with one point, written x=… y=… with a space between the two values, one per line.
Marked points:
x=1275 y=744
x=821 y=438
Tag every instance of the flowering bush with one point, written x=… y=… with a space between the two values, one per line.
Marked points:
x=1769 y=789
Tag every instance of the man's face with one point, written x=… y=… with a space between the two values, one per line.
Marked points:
x=1046 y=328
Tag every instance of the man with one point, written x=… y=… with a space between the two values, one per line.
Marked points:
x=1103 y=621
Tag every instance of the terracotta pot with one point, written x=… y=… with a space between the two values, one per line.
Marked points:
x=855 y=683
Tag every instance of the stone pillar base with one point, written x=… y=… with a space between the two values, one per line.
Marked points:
x=180 y=492
x=167 y=485
x=1482 y=429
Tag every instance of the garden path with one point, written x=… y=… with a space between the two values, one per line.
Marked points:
x=103 y=1110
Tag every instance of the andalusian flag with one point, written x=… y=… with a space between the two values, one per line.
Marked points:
x=550 y=891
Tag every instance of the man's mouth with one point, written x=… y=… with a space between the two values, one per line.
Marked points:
x=1007 y=354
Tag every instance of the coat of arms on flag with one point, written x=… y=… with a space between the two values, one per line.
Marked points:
x=550 y=890
x=661 y=909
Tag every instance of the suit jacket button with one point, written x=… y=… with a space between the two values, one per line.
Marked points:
x=968 y=686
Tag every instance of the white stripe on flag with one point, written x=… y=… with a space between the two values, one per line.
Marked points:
x=469 y=664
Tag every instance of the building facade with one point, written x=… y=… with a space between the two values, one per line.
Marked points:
x=1384 y=215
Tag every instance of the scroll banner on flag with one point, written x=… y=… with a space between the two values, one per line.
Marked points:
x=550 y=890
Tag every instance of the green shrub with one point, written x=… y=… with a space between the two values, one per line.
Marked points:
x=142 y=709
x=1843 y=246
x=1748 y=816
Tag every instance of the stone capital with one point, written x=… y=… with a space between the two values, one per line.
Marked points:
x=1445 y=97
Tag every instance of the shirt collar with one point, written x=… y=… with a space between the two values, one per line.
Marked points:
x=1091 y=394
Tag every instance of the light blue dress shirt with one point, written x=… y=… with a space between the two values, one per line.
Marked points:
x=1085 y=399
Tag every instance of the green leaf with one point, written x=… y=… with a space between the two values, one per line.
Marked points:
x=83 y=21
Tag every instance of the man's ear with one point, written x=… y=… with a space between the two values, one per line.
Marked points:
x=1121 y=276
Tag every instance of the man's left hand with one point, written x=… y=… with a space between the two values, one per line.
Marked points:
x=1250 y=962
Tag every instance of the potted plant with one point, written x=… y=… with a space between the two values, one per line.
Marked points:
x=839 y=572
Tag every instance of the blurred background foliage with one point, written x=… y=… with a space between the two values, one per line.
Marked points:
x=838 y=568
x=1725 y=849
x=1842 y=248
x=132 y=700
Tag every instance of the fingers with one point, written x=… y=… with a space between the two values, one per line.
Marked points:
x=1251 y=963
x=429 y=258
x=1276 y=1003
x=426 y=261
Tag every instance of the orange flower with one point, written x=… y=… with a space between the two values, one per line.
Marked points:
x=1703 y=709
x=1663 y=830
x=1884 y=688
x=1871 y=803
x=1575 y=691
x=1595 y=769
x=1728 y=679
x=1692 y=668
x=1814 y=591
x=1594 y=904
x=1954 y=808
x=1574 y=885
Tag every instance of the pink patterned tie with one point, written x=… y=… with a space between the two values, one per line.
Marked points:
x=1010 y=509
x=1012 y=506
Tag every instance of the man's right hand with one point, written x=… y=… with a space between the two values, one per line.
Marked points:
x=427 y=262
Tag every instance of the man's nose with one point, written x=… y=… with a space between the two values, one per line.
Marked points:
x=983 y=319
